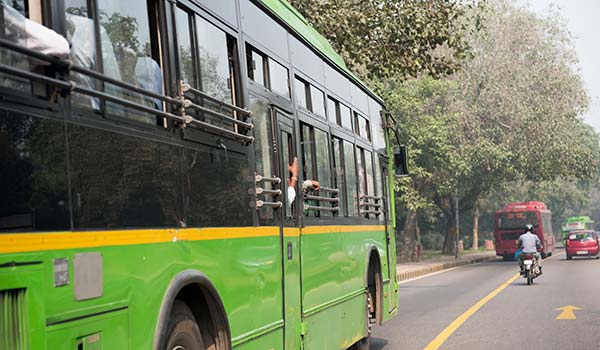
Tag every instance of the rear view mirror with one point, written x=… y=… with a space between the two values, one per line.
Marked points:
x=401 y=161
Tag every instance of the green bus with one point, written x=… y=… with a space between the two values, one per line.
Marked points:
x=146 y=193
x=575 y=223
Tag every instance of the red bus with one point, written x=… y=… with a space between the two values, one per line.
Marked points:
x=510 y=223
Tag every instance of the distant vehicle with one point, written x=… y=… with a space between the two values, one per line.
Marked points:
x=576 y=223
x=510 y=223
x=582 y=243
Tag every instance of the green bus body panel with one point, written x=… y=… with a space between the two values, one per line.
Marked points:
x=334 y=268
x=247 y=273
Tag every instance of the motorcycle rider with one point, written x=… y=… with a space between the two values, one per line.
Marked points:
x=530 y=243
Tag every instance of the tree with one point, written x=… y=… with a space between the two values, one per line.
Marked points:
x=386 y=38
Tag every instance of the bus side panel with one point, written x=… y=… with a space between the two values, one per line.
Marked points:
x=245 y=271
x=333 y=284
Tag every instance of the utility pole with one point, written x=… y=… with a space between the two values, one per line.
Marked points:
x=456 y=235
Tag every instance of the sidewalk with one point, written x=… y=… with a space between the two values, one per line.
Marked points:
x=406 y=271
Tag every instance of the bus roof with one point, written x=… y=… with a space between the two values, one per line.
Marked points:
x=584 y=219
x=296 y=22
x=522 y=206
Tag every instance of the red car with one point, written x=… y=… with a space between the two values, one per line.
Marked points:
x=582 y=243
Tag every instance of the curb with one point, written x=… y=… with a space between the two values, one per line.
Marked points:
x=402 y=276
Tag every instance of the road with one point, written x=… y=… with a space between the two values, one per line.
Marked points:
x=516 y=317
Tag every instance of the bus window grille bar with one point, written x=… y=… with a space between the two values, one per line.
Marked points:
x=368 y=204
x=329 y=190
x=319 y=208
x=124 y=85
x=72 y=87
x=258 y=204
x=322 y=199
x=377 y=199
x=190 y=104
x=260 y=178
x=260 y=190
x=376 y=212
x=185 y=87
x=34 y=76
x=189 y=120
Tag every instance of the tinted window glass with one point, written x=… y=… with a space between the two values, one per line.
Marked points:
x=323 y=170
x=318 y=101
x=184 y=43
x=517 y=220
x=127 y=51
x=300 y=88
x=256 y=67
x=127 y=30
x=345 y=117
x=362 y=177
x=332 y=110
x=307 y=158
x=350 y=168
x=279 y=78
x=120 y=181
x=261 y=116
x=214 y=60
x=338 y=155
x=216 y=188
x=364 y=128
x=322 y=150
x=33 y=174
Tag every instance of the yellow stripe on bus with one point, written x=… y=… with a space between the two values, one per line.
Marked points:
x=315 y=230
x=32 y=242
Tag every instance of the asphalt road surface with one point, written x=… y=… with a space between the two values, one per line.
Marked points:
x=483 y=306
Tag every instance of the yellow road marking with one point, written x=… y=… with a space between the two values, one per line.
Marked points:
x=446 y=333
x=568 y=312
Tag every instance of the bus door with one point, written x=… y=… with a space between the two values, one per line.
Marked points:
x=290 y=232
x=392 y=287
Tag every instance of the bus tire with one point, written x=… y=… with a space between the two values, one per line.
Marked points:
x=183 y=331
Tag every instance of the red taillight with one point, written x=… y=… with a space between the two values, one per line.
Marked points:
x=527 y=257
x=568 y=242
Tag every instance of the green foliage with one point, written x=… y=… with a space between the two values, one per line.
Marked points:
x=385 y=38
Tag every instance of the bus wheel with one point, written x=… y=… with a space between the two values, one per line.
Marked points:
x=183 y=332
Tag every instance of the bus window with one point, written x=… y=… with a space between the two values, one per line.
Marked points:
x=184 y=48
x=345 y=117
x=263 y=139
x=301 y=89
x=350 y=170
x=322 y=164
x=307 y=142
x=256 y=66
x=127 y=51
x=517 y=220
x=278 y=78
x=338 y=168
x=213 y=54
x=317 y=101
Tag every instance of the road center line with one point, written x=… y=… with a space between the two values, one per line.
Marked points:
x=446 y=333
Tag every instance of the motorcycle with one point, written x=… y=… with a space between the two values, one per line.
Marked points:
x=531 y=269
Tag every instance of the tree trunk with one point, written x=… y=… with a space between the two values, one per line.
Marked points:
x=450 y=239
x=409 y=238
x=476 y=227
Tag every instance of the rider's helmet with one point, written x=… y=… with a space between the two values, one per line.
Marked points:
x=529 y=228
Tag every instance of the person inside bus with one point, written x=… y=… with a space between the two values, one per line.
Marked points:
x=307 y=185
x=530 y=243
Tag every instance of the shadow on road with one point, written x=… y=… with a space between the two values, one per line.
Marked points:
x=378 y=343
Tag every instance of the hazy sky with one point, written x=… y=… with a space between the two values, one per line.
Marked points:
x=583 y=21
